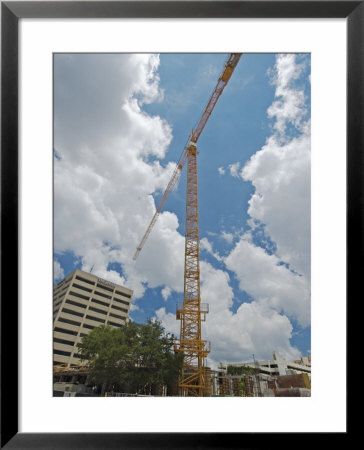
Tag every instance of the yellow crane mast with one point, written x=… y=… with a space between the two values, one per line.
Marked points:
x=192 y=312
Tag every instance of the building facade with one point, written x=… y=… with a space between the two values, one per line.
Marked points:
x=81 y=302
x=277 y=366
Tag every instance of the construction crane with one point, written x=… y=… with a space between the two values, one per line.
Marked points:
x=192 y=312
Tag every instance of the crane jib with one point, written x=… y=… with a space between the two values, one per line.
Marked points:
x=228 y=69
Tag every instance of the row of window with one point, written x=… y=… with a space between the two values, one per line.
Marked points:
x=106 y=288
x=77 y=324
x=85 y=280
x=60 y=290
x=121 y=301
x=83 y=288
x=72 y=343
x=72 y=302
x=92 y=308
x=123 y=294
x=63 y=341
x=75 y=294
x=120 y=309
x=84 y=297
x=73 y=333
x=63 y=353
x=114 y=324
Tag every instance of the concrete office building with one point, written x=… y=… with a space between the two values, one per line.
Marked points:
x=81 y=302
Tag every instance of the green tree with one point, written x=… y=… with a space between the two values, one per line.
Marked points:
x=239 y=370
x=134 y=358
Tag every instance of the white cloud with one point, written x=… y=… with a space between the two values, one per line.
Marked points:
x=103 y=202
x=288 y=106
x=58 y=272
x=206 y=245
x=270 y=283
x=228 y=237
x=254 y=328
x=221 y=170
x=281 y=201
x=280 y=174
x=104 y=179
x=166 y=292
x=234 y=169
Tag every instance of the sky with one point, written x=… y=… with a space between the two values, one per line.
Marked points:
x=121 y=123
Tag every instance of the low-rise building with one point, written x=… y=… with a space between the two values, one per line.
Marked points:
x=277 y=366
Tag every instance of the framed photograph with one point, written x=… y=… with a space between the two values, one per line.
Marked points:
x=317 y=47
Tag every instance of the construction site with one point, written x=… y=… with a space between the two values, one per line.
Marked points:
x=253 y=379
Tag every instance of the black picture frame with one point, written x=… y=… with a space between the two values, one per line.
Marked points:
x=11 y=13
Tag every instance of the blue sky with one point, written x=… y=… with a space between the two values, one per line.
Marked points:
x=121 y=123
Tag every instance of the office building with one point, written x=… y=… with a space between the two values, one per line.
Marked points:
x=81 y=302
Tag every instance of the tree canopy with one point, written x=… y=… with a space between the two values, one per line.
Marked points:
x=239 y=370
x=132 y=358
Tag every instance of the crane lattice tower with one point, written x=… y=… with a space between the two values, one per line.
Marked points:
x=193 y=312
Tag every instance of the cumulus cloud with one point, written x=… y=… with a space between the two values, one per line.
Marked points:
x=280 y=173
x=166 y=292
x=206 y=245
x=228 y=237
x=234 y=169
x=105 y=172
x=269 y=282
x=254 y=328
x=58 y=272
x=289 y=105
x=109 y=166
x=278 y=282
x=281 y=201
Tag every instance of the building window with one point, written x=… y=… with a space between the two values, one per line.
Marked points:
x=117 y=316
x=60 y=352
x=105 y=287
x=71 y=302
x=62 y=330
x=120 y=309
x=95 y=318
x=90 y=327
x=114 y=324
x=122 y=293
x=102 y=295
x=100 y=311
x=57 y=304
x=100 y=302
x=85 y=280
x=78 y=295
x=63 y=341
x=74 y=313
x=78 y=286
x=71 y=322
x=121 y=301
